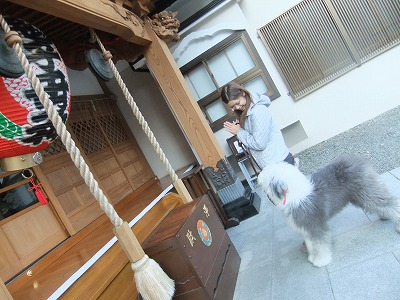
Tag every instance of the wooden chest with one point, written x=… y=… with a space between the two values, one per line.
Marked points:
x=193 y=248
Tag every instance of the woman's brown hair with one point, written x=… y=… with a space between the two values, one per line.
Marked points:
x=232 y=91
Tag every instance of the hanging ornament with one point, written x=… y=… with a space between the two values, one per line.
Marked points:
x=10 y=66
x=25 y=128
x=36 y=187
x=98 y=65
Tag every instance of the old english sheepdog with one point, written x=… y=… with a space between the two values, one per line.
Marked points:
x=309 y=203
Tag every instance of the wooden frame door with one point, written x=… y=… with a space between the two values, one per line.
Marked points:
x=28 y=229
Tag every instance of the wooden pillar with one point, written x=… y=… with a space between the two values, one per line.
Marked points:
x=165 y=70
x=189 y=115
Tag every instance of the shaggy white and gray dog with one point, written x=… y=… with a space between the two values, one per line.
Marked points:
x=309 y=203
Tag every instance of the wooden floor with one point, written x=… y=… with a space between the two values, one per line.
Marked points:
x=49 y=273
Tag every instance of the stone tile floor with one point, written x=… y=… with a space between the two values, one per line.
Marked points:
x=366 y=257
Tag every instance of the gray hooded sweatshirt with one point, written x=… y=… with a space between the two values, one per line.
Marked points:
x=260 y=134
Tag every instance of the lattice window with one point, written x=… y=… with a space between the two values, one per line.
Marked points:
x=90 y=120
x=113 y=129
x=89 y=136
x=55 y=147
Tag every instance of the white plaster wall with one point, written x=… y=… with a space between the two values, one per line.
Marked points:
x=355 y=97
x=83 y=83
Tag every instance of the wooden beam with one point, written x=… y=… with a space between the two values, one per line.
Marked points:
x=165 y=70
x=98 y=14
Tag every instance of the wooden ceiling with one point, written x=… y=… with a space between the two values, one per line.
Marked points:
x=72 y=39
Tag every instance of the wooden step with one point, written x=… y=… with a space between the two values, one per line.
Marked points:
x=101 y=279
x=55 y=268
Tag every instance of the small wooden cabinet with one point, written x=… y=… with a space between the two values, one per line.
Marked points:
x=193 y=248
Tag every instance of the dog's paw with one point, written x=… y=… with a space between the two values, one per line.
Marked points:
x=303 y=248
x=320 y=261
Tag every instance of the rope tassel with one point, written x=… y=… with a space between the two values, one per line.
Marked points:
x=151 y=281
x=37 y=189
x=150 y=272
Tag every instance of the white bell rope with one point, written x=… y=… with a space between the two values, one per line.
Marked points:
x=151 y=282
x=108 y=57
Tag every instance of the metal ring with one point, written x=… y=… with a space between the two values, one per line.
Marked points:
x=27 y=173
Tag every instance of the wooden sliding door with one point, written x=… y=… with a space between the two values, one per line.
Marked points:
x=111 y=152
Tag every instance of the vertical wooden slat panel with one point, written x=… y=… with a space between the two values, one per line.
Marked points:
x=315 y=42
x=374 y=26
x=307 y=54
x=111 y=152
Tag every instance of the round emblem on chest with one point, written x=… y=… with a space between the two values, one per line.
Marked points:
x=204 y=232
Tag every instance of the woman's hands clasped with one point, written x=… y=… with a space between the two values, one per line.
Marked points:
x=232 y=127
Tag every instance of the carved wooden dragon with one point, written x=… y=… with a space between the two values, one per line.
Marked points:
x=166 y=26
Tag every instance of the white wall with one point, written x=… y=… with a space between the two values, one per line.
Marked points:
x=83 y=83
x=355 y=97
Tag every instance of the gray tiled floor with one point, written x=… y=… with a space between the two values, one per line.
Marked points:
x=366 y=257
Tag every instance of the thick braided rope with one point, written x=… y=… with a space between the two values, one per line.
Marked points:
x=64 y=134
x=137 y=112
